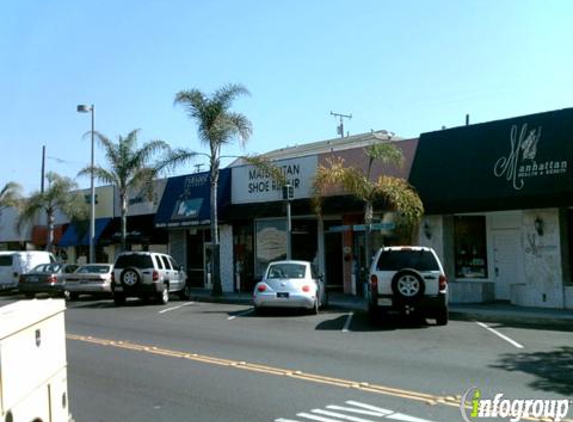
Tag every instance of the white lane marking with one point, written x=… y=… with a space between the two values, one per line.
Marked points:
x=340 y=416
x=317 y=418
x=369 y=407
x=406 y=418
x=360 y=408
x=176 y=307
x=248 y=311
x=381 y=412
x=502 y=336
x=346 y=327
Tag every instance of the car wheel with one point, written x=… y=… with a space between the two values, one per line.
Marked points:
x=30 y=295
x=130 y=277
x=119 y=299
x=408 y=284
x=73 y=296
x=259 y=311
x=164 y=295
x=185 y=294
x=442 y=317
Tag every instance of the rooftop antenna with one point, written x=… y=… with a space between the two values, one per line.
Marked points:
x=340 y=127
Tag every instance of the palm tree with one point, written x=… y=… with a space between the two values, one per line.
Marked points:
x=129 y=167
x=217 y=126
x=10 y=195
x=61 y=195
x=396 y=193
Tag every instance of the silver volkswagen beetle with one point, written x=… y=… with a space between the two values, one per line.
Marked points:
x=290 y=284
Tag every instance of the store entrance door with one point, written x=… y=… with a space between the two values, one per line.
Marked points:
x=506 y=270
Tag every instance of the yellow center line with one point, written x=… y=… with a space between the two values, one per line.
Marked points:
x=430 y=399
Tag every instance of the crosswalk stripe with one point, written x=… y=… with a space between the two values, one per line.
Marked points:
x=406 y=418
x=340 y=416
x=362 y=412
x=369 y=407
x=316 y=418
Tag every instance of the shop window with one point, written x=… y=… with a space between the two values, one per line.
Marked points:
x=470 y=247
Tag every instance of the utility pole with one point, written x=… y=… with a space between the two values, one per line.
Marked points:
x=340 y=128
x=43 y=169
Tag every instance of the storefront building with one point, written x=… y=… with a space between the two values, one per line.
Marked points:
x=333 y=240
x=185 y=213
x=498 y=199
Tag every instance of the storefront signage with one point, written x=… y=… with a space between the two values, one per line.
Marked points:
x=520 y=163
x=252 y=184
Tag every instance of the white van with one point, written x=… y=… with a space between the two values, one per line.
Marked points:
x=14 y=263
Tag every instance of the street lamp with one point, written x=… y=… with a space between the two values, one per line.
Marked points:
x=83 y=108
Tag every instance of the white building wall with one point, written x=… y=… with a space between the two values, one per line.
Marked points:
x=543 y=285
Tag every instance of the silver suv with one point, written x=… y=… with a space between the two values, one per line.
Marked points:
x=408 y=280
x=147 y=274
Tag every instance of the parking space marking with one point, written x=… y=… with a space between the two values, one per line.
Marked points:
x=500 y=335
x=248 y=311
x=176 y=307
x=346 y=327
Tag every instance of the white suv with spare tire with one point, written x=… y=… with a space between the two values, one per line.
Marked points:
x=408 y=280
x=148 y=274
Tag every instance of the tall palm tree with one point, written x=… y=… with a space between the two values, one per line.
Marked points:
x=61 y=195
x=397 y=194
x=217 y=126
x=10 y=195
x=129 y=167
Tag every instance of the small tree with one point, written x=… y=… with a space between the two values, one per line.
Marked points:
x=61 y=195
x=129 y=167
x=10 y=195
x=396 y=193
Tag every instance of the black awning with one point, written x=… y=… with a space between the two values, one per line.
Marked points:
x=140 y=229
x=518 y=163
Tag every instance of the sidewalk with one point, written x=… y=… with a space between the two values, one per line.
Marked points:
x=487 y=312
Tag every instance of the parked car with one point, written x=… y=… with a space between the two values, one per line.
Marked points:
x=46 y=278
x=94 y=279
x=408 y=280
x=290 y=284
x=148 y=274
x=15 y=263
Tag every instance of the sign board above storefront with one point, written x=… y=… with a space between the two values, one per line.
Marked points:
x=518 y=163
x=253 y=185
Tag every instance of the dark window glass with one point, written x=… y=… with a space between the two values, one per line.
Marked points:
x=470 y=247
x=138 y=261
x=5 y=260
x=417 y=260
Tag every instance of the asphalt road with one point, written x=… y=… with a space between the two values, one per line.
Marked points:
x=191 y=361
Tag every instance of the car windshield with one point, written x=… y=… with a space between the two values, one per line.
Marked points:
x=286 y=271
x=98 y=269
x=395 y=260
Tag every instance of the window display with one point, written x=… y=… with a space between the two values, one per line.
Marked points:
x=470 y=247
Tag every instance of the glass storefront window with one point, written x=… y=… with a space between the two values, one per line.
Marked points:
x=270 y=243
x=470 y=247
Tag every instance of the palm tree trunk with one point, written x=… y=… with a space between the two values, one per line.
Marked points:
x=215 y=259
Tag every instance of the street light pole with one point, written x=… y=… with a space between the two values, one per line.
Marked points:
x=82 y=108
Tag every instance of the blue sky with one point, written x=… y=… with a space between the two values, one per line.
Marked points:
x=408 y=66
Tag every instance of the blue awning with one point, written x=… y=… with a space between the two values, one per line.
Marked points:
x=186 y=199
x=74 y=236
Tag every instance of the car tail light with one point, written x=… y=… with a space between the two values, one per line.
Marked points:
x=261 y=288
x=155 y=275
x=21 y=279
x=443 y=282
x=306 y=288
x=374 y=282
x=52 y=279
